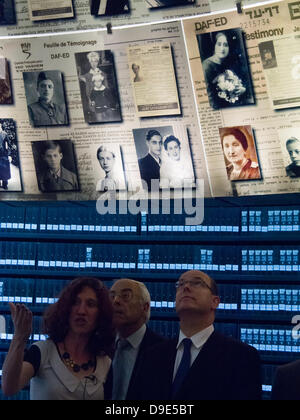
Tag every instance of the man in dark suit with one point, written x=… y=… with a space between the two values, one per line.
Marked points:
x=131 y=305
x=150 y=164
x=286 y=386
x=202 y=364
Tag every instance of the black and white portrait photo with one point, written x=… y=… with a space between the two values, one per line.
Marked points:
x=5 y=84
x=136 y=70
x=108 y=167
x=7 y=12
x=45 y=98
x=290 y=146
x=164 y=157
x=98 y=86
x=10 y=172
x=168 y=3
x=268 y=55
x=225 y=67
x=240 y=154
x=109 y=7
x=55 y=165
x=149 y=144
x=176 y=169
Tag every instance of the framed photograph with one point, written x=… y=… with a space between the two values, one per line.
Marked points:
x=281 y=63
x=290 y=145
x=225 y=67
x=109 y=7
x=108 y=167
x=98 y=86
x=268 y=55
x=240 y=154
x=45 y=97
x=10 y=171
x=7 y=12
x=5 y=85
x=55 y=165
x=153 y=80
x=168 y=3
x=164 y=157
x=50 y=9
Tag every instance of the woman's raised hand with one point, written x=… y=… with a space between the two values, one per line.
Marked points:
x=22 y=319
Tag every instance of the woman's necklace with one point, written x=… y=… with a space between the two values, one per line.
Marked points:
x=69 y=362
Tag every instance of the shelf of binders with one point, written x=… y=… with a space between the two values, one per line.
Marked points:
x=234 y=262
x=80 y=220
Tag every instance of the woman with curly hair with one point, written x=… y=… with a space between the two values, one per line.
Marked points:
x=72 y=364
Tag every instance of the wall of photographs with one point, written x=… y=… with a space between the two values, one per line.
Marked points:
x=168 y=91
x=206 y=97
x=96 y=102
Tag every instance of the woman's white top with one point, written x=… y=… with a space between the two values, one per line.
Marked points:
x=54 y=381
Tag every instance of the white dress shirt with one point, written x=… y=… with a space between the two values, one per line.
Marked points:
x=198 y=341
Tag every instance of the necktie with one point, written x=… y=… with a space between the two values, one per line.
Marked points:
x=183 y=367
x=120 y=370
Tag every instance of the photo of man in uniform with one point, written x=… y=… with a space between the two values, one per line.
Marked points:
x=49 y=107
x=51 y=161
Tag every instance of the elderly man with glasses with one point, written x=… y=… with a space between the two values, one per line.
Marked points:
x=201 y=364
x=131 y=305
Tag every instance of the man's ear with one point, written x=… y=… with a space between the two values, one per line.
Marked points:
x=146 y=307
x=216 y=302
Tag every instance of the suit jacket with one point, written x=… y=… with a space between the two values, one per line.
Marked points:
x=149 y=340
x=66 y=182
x=286 y=384
x=225 y=369
x=43 y=115
x=149 y=169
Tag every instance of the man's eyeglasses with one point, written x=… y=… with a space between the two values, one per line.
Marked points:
x=125 y=295
x=195 y=284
